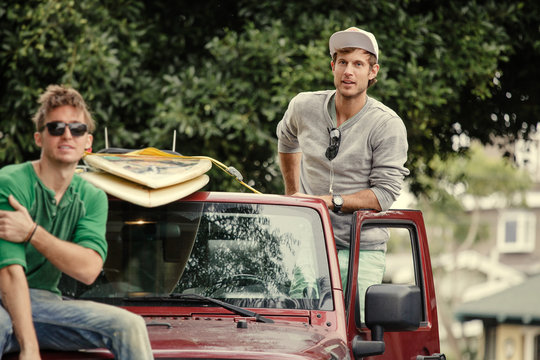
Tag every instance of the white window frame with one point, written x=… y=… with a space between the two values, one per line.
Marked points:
x=525 y=231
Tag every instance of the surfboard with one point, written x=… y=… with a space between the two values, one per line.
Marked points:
x=149 y=167
x=141 y=195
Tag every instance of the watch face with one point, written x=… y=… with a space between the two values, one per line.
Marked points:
x=338 y=200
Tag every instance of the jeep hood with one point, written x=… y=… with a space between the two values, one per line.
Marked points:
x=223 y=338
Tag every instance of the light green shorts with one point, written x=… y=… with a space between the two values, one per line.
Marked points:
x=372 y=264
x=370 y=272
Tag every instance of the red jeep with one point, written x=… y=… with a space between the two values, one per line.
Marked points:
x=249 y=276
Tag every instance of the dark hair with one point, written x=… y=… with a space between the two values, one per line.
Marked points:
x=60 y=95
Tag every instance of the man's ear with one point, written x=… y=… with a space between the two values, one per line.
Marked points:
x=89 y=141
x=332 y=65
x=374 y=71
x=37 y=139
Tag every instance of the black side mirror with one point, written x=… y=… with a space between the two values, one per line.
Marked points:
x=388 y=308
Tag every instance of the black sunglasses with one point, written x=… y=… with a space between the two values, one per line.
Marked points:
x=333 y=147
x=57 y=128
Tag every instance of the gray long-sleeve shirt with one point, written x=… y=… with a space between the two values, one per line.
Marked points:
x=371 y=155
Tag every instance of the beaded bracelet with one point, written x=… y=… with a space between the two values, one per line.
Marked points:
x=30 y=234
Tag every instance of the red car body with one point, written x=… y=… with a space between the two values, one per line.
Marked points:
x=203 y=331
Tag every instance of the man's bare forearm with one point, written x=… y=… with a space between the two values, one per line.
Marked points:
x=289 y=164
x=80 y=263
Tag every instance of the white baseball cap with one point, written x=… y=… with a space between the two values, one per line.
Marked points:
x=355 y=38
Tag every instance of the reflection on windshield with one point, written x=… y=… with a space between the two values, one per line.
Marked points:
x=248 y=255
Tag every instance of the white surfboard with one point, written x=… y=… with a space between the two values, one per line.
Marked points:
x=151 y=168
x=140 y=194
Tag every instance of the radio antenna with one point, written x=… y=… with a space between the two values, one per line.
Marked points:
x=174 y=141
x=106 y=139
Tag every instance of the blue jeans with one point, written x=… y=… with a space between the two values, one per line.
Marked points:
x=77 y=324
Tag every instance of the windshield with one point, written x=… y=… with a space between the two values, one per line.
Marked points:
x=261 y=256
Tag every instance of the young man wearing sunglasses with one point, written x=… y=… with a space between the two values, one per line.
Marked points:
x=347 y=149
x=53 y=222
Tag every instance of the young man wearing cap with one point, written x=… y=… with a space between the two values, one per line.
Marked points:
x=347 y=149
x=52 y=221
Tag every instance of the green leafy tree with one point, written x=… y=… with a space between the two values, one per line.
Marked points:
x=68 y=42
x=221 y=72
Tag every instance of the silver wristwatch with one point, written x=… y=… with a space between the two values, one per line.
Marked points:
x=337 y=201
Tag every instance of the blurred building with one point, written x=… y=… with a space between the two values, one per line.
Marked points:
x=511 y=321
x=499 y=279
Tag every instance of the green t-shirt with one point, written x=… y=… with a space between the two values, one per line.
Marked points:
x=80 y=217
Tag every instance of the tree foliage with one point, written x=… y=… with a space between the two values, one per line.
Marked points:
x=221 y=73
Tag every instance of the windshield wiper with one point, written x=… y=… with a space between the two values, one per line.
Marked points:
x=235 y=309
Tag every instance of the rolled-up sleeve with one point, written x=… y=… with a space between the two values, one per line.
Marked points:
x=91 y=228
x=389 y=156
x=10 y=253
x=287 y=131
